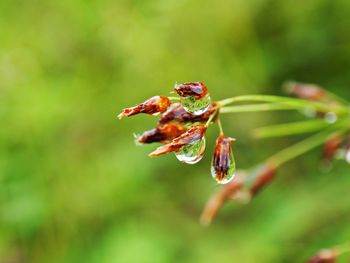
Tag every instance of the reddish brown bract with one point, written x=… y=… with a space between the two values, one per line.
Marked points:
x=152 y=106
x=195 y=133
x=222 y=157
x=176 y=112
x=195 y=89
x=163 y=133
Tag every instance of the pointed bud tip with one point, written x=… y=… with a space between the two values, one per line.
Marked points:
x=121 y=115
x=205 y=221
x=159 y=151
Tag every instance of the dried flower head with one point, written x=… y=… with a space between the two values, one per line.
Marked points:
x=152 y=106
x=162 y=133
x=183 y=125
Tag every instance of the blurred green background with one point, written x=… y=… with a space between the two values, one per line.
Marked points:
x=73 y=185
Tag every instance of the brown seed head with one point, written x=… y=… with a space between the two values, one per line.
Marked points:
x=152 y=106
x=195 y=89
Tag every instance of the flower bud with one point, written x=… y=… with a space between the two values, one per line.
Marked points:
x=176 y=112
x=194 y=134
x=194 y=89
x=194 y=97
x=306 y=91
x=331 y=146
x=324 y=256
x=152 y=106
x=223 y=165
x=162 y=133
x=260 y=178
x=225 y=193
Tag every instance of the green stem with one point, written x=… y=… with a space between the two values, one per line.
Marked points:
x=290 y=128
x=174 y=98
x=220 y=127
x=342 y=249
x=306 y=145
x=257 y=107
x=211 y=118
x=297 y=103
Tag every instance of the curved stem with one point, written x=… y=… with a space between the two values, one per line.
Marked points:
x=297 y=103
x=343 y=248
x=220 y=127
x=258 y=107
x=174 y=98
x=292 y=128
x=306 y=145
x=212 y=116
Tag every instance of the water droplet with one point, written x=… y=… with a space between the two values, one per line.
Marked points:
x=196 y=106
x=228 y=169
x=347 y=156
x=192 y=153
x=330 y=117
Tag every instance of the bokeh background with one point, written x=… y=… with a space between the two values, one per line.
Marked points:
x=73 y=185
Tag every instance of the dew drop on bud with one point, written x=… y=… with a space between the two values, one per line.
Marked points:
x=196 y=106
x=194 y=97
x=192 y=153
x=223 y=164
x=229 y=175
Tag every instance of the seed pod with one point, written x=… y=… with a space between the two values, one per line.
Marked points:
x=152 y=106
x=306 y=91
x=163 y=133
x=194 y=97
x=324 y=256
x=223 y=165
x=176 y=112
x=194 y=134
